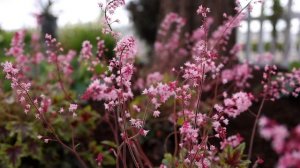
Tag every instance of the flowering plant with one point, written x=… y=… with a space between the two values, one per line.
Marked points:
x=198 y=100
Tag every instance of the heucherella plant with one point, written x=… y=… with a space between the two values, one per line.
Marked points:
x=198 y=97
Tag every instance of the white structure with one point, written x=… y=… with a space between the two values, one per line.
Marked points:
x=257 y=29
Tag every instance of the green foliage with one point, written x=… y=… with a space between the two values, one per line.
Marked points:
x=19 y=145
x=268 y=46
x=72 y=37
x=233 y=157
x=295 y=64
x=168 y=160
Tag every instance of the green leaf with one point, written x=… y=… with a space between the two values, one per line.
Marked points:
x=14 y=154
x=109 y=143
x=168 y=159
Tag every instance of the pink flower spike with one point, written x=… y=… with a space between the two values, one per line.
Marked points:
x=73 y=107
x=156 y=113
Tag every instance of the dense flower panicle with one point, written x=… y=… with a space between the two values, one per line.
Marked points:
x=17 y=84
x=240 y=74
x=65 y=62
x=99 y=91
x=161 y=93
x=188 y=133
x=126 y=74
x=22 y=88
x=201 y=118
x=17 y=44
x=114 y=87
x=171 y=18
x=53 y=47
x=285 y=143
x=197 y=72
x=86 y=54
x=86 y=50
x=234 y=106
x=283 y=84
x=291 y=159
x=22 y=61
x=61 y=61
x=168 y=47
x=9 y=69
x=183 y=93
x=232 y=141
x=194 y=72
x=100 y=48
x=153 y=78
x=126 y=49
x=270 y=130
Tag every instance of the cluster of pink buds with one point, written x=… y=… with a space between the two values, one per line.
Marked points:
x=114 y=86
x=284 y=84
x=170 y=19
x=189 y=133
x=21 y=87
x=286 y=143
x=86 y=51
x=240 y=74
x=232 y=141
x=17 y=51
x=238 y=103
x=17 y=44
x=161 y=93
x=109 y=10
x=203 y=11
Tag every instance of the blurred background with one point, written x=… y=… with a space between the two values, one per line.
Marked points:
x=270 y=34
x=272 y=26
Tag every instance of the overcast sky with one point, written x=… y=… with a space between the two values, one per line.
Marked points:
x=17 y=14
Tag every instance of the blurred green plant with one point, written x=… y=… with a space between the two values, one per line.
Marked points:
x=19 y=146
x=72 y=36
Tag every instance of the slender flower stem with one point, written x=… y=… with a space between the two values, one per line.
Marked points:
x=175 y=129
x=254 y=128
x=72 y=150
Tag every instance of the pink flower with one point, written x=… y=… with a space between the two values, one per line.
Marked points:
x=233 y=141
x=237 y=104
x=239 y=74
x=203 y=11
x=86 y=51
x=270 y=130
x=161 y=93
x=9 y=69
x=156 y=113
x=188 y=133
x=17 y=44
x=126 y=49
x=153 y=78
x=73 y=107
